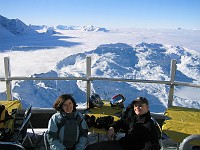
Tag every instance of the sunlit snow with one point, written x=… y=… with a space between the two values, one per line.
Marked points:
x=115 y=53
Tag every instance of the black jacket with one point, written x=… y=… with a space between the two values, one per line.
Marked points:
x=141 y=133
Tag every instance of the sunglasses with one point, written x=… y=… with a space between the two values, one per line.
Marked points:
x=140 y=105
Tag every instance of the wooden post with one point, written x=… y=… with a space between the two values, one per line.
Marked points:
x=171 y=90
x=7 y=75
x=88 y=74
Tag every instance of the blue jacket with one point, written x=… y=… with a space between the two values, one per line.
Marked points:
x=67 y=131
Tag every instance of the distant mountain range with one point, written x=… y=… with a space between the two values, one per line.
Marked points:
x=89 y=28
x=144 y=61
x=10 y=27
x=149 y=61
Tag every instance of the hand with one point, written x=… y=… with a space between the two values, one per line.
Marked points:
x=111 y=133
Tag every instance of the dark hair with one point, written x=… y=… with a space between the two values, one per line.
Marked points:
x=61 y=99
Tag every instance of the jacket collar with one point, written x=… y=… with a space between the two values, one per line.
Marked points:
x=143 y=118
x=68 y=115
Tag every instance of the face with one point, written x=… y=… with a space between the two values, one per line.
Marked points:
x=140 y=108
x=68 y=106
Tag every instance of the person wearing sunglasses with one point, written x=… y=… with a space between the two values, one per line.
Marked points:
x=140 y=130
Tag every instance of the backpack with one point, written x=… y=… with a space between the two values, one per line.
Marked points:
x=6 y=124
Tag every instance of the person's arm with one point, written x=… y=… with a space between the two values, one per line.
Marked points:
x=111 y=133
x=115 y=127
x=82 y=141
x=52 y=135
x=120 y=124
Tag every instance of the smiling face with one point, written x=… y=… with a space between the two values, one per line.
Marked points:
x=68 y=106
x=141 y=108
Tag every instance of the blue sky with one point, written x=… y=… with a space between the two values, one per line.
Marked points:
x=106 y=13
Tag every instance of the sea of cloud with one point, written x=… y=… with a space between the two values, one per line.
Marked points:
x=40 y=54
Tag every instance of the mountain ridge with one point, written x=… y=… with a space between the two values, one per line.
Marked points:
x=120 y=60
x=146 y=54
x=14 y=26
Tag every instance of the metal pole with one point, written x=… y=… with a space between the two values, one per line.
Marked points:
x=185 y=144
x=171 y=90
x=7 y=75
x=88 y=74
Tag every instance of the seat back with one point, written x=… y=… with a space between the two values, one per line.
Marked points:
x=159 y=131
x=46 y=143
x=158 y=128
x=22 y=133
x=27 y=112
x=185 y=144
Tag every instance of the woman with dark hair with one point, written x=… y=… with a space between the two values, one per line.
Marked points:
x=67 y=128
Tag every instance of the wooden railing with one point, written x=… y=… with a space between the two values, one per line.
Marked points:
x=172 y=83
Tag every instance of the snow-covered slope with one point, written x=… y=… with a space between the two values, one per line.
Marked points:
x=14 y=26
x=120 y=53
x=5 y=33
x=143 y=61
